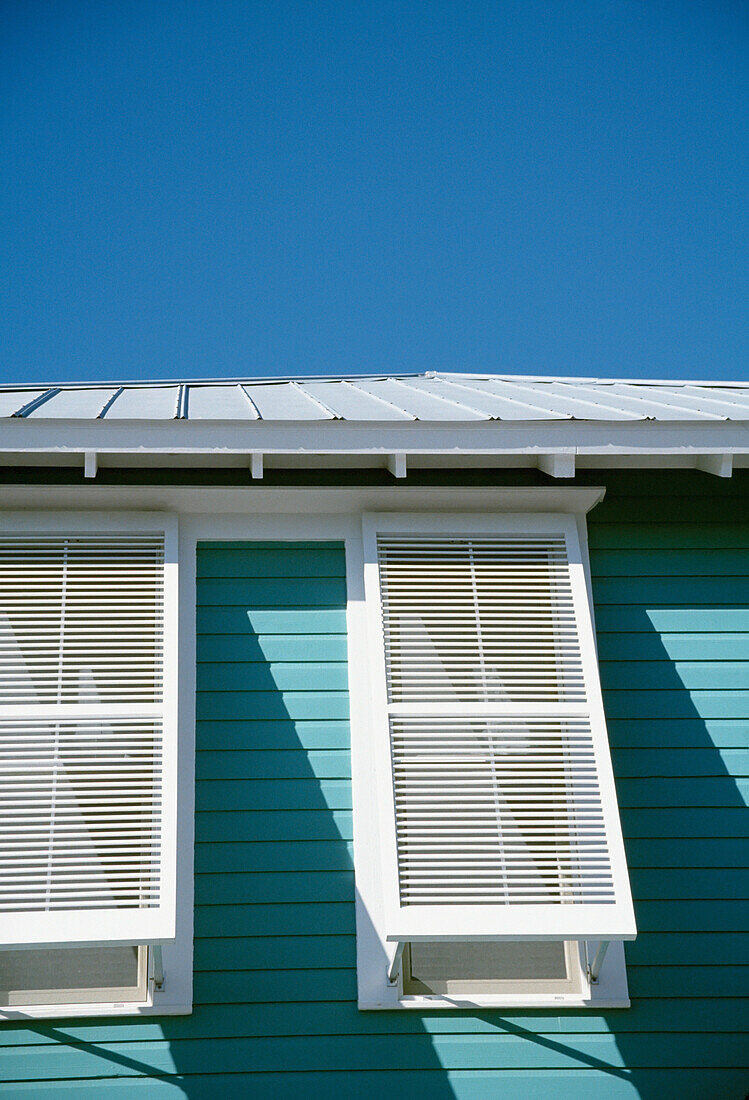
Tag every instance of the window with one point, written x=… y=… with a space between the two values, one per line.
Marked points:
x=73 y=975
x=489 y=860
x=88 y=763
x=449 y=969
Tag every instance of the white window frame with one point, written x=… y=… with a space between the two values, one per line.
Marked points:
x=375 y=951
x=173 y=995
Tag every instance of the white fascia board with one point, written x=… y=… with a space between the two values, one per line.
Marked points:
x=260 y=499
x=339 y=437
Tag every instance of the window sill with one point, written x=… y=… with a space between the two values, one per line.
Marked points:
x=102 y=1009
x=558 y=1001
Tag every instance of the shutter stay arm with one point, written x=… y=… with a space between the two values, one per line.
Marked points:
x=158 y=967
x=594 y=968
x=395 y=965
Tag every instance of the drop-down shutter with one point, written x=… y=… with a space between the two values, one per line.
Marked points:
x=88 y=736
x=498 y=808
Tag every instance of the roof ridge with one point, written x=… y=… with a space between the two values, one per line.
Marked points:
x=571 y=380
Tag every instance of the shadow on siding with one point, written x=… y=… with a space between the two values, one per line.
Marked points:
x=677 y=713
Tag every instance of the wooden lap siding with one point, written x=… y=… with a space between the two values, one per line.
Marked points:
x=275 y=985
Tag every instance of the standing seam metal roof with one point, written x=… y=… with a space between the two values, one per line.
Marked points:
x=429 y=397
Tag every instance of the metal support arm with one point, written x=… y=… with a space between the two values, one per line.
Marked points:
x=158 y=967
x=395 y=965
x=594 y=968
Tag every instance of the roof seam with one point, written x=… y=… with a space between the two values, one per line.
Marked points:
x=320 y=404
x=253 y=406
x=37 y=401
x=376 y=397
x=108 y=404
x=438 y=397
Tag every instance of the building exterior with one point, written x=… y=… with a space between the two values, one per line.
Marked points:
x=322 y=703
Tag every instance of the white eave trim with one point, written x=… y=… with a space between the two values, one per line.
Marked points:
x=540 y=440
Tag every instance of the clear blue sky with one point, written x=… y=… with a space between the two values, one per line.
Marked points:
x=206 y=189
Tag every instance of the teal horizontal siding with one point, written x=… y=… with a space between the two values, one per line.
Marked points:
x=293 y=824
x=259 y=592
x=676 y=703
x=267 y=764
x=372 y=1052
x=283 y=794
x=222 y=676
x=680 y=762
x=273 y=704
x=677 y=537
x=698 y=646
x=681 y=733
x=535 y=1084
x=302 y=623
x=275 y=983
x=328 y=918
x=236 y=562
x=279 y=734
x=274 y=647
x=653 y=618
x=652 y=675
x=662 y=1015
x=699 y=821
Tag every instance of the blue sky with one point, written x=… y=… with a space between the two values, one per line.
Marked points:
x=206 y=189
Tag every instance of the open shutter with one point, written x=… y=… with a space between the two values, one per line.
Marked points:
x=87 y=738
x=499 y=816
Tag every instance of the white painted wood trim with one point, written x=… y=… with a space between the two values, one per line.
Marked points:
x=397 y=464
x=533 y=438
x=720 y=465
x=257 y=497
x=560 y=464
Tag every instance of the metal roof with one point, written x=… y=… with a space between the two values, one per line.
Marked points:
x=428 y=398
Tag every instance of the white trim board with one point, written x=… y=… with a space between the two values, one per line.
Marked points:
x=343 y=437
x=258 y=499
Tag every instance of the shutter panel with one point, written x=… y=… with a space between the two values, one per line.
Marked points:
x=87 y=740
x=499 y=811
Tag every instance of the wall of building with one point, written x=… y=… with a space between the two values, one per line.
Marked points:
x=275 y=986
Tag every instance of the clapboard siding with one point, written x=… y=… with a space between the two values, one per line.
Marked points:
x=275 y=983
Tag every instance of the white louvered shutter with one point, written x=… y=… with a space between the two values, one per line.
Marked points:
x=87 y=738
x=499 y=816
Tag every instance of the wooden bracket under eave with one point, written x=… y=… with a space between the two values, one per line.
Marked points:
x=397 y=464
x=720 y=465
x=561 y=464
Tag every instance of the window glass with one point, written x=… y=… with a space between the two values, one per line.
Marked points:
x=73 y=975
x=492 y=967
